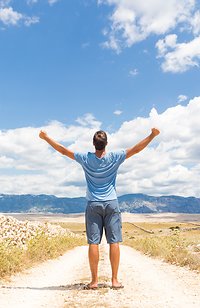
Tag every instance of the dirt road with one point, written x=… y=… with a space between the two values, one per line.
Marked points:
x=149 y=283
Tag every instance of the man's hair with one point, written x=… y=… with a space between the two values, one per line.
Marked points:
x=100 y=140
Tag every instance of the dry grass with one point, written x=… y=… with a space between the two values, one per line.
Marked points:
x=40 y=248
x=170 y=241
x=77 y=228
x=11 y=260
x=167 y=240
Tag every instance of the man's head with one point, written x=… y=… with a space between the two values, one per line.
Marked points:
x=100 y=140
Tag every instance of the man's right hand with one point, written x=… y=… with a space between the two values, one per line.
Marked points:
x=43 y=134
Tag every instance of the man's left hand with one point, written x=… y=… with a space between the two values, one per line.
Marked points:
x=155 y=132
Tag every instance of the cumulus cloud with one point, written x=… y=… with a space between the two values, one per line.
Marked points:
x=28 y=165
x=169 y=165
x=9 y=17
x=178 y=57
x=195 y=23
x=133 y=21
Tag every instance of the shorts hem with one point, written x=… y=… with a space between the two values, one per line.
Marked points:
x=114 y=242
x=95 y=243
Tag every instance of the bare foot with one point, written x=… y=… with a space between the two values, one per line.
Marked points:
x=116 y=284
x=91 y=286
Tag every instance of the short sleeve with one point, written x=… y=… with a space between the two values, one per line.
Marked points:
x=80 y=157
x=119 y=157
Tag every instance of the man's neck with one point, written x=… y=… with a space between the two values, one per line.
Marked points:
x=99 y=153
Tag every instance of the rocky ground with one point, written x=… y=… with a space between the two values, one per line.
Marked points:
x=18 y=233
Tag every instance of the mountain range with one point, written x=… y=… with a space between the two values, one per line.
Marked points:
x=133 y=203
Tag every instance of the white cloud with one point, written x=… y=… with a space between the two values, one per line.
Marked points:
x=182 y=98
x=6 y=162
x=10 y=17
x=31 y=20
x=28 y=164
x=178 y=57
x=195 y=23
x=117 y=112
x=133 y=72
x=88 y=120
x=169 y=165
x=133 y=21
x=169 y=42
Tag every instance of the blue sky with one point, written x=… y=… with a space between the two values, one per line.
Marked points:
x=97 y=64
x=57 y=69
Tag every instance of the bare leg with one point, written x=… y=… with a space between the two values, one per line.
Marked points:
x=93 y=254
x=114 y=260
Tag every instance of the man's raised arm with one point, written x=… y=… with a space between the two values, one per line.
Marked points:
x=142 y=144
x=57 y=146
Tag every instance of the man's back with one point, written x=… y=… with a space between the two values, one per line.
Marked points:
x=100 y=173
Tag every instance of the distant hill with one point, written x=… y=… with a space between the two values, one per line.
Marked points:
x=139 y=203
x=133 y=203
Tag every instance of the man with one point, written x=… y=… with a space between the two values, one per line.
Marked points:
x=102 y=211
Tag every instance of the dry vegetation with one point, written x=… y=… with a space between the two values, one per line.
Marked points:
x=77 y=228
x=177 y=243
x=40 y=247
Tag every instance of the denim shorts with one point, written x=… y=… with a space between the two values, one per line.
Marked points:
x=103 y=215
